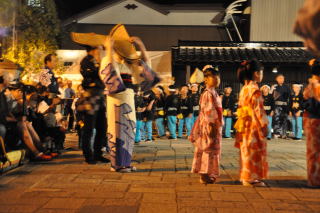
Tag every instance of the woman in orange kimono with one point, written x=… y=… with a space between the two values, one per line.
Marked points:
x=251 y=126
x=311 y=120
x=206 y=133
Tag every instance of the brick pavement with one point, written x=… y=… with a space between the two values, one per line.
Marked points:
x=163 y=183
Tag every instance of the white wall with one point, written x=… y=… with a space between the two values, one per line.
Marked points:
x=273 y=20
x=160 y=62
x=144 y=15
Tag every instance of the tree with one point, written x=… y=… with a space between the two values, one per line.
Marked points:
x=38 y=28
x=6 y=11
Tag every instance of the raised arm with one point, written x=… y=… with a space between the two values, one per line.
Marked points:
x=108 y=44
x=142 y=48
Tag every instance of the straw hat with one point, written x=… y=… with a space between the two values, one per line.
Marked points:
x=122 y=43
x=197 y=77
x=91 y=39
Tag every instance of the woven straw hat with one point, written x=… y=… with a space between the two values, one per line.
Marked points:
x=122 y=43
x=91 y=39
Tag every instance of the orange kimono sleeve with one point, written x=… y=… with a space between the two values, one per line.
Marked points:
x=259 y=112
x=316 y=92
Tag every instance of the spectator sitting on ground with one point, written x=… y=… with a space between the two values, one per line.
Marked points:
x=5 y=115
x=56 y=132
x=17 y=106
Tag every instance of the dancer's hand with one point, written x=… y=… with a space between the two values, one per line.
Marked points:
x=307 y=93
x=207 y=66
x=136 y=40
x=142 y=48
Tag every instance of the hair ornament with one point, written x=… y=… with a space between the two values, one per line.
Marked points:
x=311 y=62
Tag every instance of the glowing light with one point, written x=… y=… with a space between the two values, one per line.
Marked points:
x=275 y=70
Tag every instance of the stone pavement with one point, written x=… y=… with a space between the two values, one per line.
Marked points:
x=162 y=183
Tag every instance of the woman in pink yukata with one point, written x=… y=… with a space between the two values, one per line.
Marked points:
x=206 y=134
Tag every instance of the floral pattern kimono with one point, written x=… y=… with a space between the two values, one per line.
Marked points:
x=206 y=135
x=312 y=130
x=251 y=138
x=121 y=109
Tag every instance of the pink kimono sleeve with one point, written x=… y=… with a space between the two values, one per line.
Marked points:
x=209 y=108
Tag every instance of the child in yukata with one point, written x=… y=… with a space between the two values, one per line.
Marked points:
x=206 y=134
x=311 y=121
x=251 y=126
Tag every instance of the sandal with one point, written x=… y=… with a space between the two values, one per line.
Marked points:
x=124 y=169
x=206 y=179
x=256 y=183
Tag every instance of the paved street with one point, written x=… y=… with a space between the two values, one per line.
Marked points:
x=162 y=183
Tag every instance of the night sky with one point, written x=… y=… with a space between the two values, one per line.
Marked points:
x=68 y=8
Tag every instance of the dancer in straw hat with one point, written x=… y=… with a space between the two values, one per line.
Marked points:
x=120 y=69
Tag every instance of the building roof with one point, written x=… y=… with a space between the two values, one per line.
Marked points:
x=193 y=52
x=161 y=8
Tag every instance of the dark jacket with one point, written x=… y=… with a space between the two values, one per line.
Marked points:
x=89 y=69
x=159 y=106
x=139 y=102
x=281 y=93
x=149 y=114
x=172 y=106
x=4 y=109
x=186 y=106
x=296 y=103
x=268 y=104
x=228 y=103
x=195 y=100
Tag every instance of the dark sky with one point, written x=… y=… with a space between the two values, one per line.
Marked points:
x=67 y=8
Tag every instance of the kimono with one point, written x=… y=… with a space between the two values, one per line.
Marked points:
x=311 y=122
x=118 y=80
x=251 y=128
x=281 y=110
x=206 y=135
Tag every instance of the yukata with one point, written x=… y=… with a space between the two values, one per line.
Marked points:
x=311 y=121
x=206 y=135
x=280 y=119
x=250 y=138
x=119 y=80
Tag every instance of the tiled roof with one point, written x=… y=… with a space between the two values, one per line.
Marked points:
x=276 y=53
